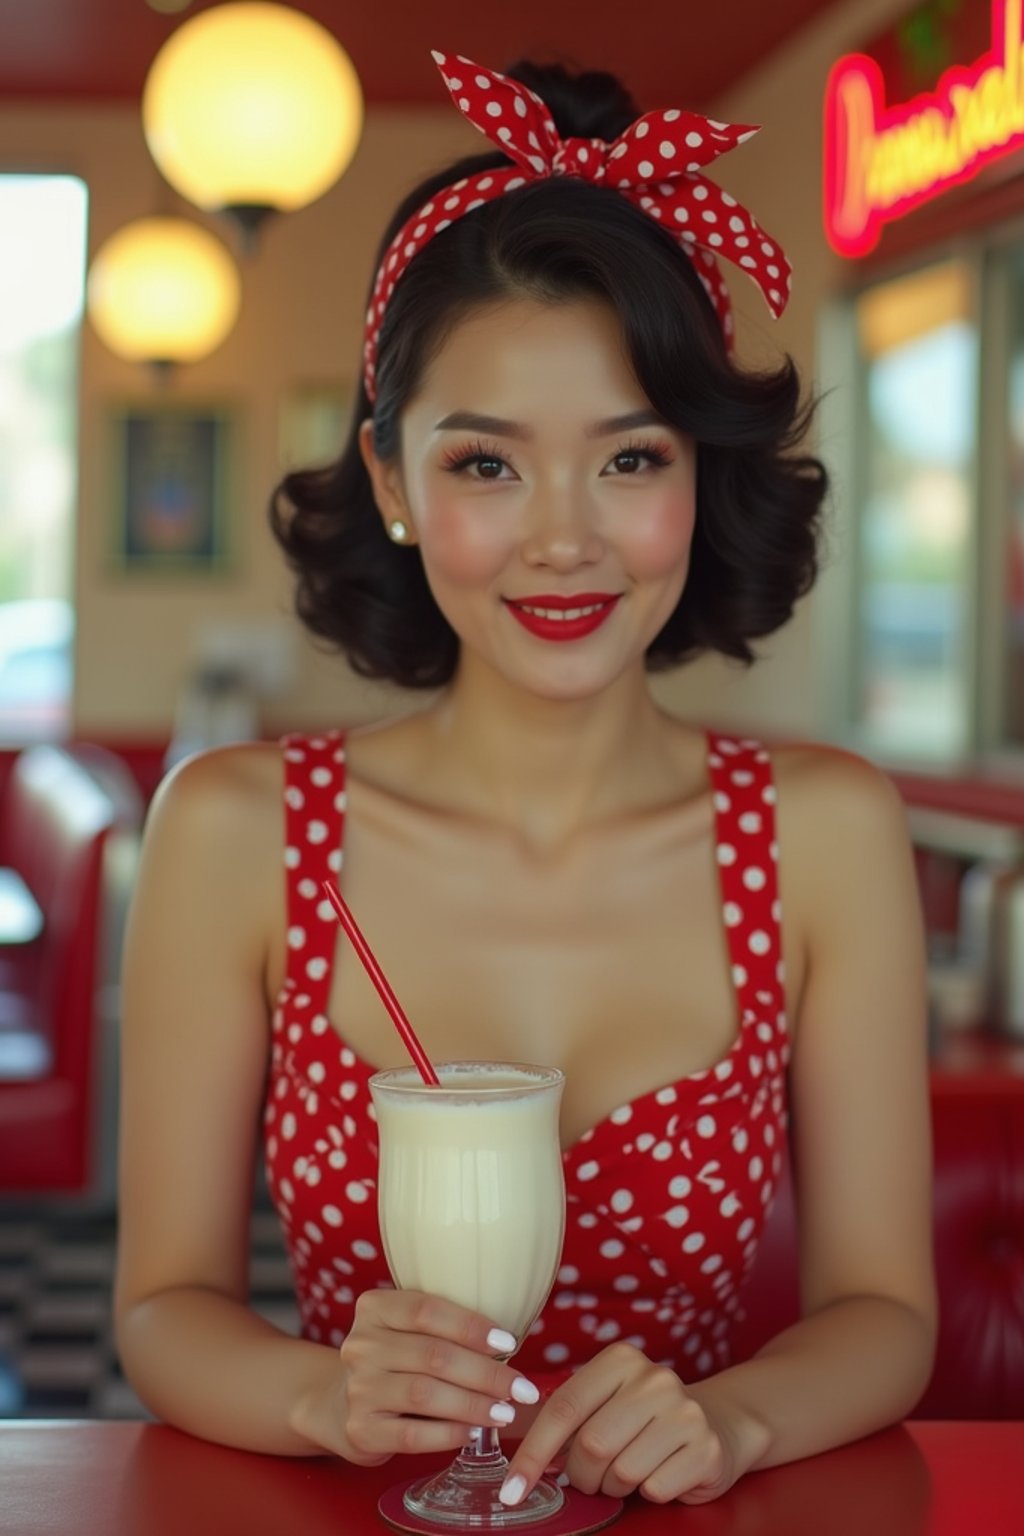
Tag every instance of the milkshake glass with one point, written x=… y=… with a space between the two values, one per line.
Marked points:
x=471 y=1199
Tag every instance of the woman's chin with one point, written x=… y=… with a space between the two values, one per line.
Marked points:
x=574 y=684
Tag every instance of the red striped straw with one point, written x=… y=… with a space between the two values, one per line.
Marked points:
x=383 y=986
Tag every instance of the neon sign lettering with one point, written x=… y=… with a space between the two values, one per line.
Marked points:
x=880 y=162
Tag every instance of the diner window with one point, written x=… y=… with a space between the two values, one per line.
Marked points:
x=918 y=346
x=42 y=289
x=920 y=615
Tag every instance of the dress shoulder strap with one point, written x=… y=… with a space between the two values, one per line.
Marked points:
x=747 y=852
x=314 y=815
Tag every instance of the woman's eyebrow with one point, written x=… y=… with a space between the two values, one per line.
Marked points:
x=497 y=426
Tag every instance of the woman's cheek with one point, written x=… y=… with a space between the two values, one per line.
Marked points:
x=658 y=536
x=462 y=543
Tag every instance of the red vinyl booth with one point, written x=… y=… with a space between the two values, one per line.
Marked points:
x=978 y=1202
x=55 y=818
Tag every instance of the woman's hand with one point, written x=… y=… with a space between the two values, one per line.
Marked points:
x=622 y=1424
x=413 y=1374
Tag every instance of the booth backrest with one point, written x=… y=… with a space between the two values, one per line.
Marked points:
x=55 y=817
x=978 y=1203
x=52 y=825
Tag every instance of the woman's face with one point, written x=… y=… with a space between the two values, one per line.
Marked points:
x=533 y=473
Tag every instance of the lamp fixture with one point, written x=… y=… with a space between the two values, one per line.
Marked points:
x=252 y=108
x=163 y=290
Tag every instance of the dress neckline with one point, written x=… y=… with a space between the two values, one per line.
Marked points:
x=680 y=1085
x=706 y=1086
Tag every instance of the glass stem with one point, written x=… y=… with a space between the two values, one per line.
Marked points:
x=482 y=1451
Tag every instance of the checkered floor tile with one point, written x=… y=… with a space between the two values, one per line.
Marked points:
x=57 y=1355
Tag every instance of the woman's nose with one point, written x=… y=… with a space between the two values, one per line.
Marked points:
x=562 y=530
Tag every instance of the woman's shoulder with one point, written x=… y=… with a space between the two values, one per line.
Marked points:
x=819 y=783
x=223 y=780
x=842 y=833
x=212 y=848
x=818 y=786
x=224 y=805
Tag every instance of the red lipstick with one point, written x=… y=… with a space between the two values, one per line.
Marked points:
x=598 y=606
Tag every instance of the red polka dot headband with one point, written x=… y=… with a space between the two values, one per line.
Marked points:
x=655 y=164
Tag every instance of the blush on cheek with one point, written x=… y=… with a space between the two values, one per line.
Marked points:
x=659 y=537
x=461 y=544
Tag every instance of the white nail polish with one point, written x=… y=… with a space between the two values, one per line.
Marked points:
x=524 y=1391
x=500 y=1341
x=513 y=1489
x=502 y=1413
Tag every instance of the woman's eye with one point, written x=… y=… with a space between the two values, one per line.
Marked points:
x=490 y=469
x=629 y=460
x=489 y=465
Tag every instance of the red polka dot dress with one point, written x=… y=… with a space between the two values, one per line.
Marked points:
x=666 y=1197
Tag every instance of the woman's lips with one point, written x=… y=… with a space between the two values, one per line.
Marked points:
x=590 y=612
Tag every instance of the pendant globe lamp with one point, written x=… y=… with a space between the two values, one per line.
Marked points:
x=252 y=108
x=162 y=291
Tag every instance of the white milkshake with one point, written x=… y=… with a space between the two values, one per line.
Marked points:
x=471 y=1192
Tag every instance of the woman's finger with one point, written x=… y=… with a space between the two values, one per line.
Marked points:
x=444 y=1361
x=420 y=1334
x=692 y=1474
x=601 y=1409
x=561 y=1419
x=418 y=1312
x=607 y=1437
x=425 y=1396
x=638 y=1461
x=384 y=1435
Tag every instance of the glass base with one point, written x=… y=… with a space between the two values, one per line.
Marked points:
x=465 y=1496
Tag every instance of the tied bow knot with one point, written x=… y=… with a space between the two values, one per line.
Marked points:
x=581 y=157
x=656 y=164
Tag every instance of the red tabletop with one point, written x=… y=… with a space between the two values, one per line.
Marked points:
x=75 y=1478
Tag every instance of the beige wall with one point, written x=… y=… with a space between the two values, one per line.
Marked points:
x=301 y=323
x=778 y=176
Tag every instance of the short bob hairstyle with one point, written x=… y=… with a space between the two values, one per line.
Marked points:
x=556 y=241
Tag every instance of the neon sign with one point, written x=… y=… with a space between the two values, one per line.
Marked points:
x=880 y=162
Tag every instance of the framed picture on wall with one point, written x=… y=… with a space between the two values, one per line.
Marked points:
x=173 y=470
x=314 y=423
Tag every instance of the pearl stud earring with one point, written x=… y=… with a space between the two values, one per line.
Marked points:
x=397 y=531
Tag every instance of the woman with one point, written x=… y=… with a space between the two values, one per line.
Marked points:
x=557 y=481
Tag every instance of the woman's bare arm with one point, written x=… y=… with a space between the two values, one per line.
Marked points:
x=194 y=1058
x=414 y=1370
x=862 y=1353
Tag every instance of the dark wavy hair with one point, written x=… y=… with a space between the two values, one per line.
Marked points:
x=758 y=502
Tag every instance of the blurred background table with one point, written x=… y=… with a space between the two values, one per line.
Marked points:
x=76 y=1478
